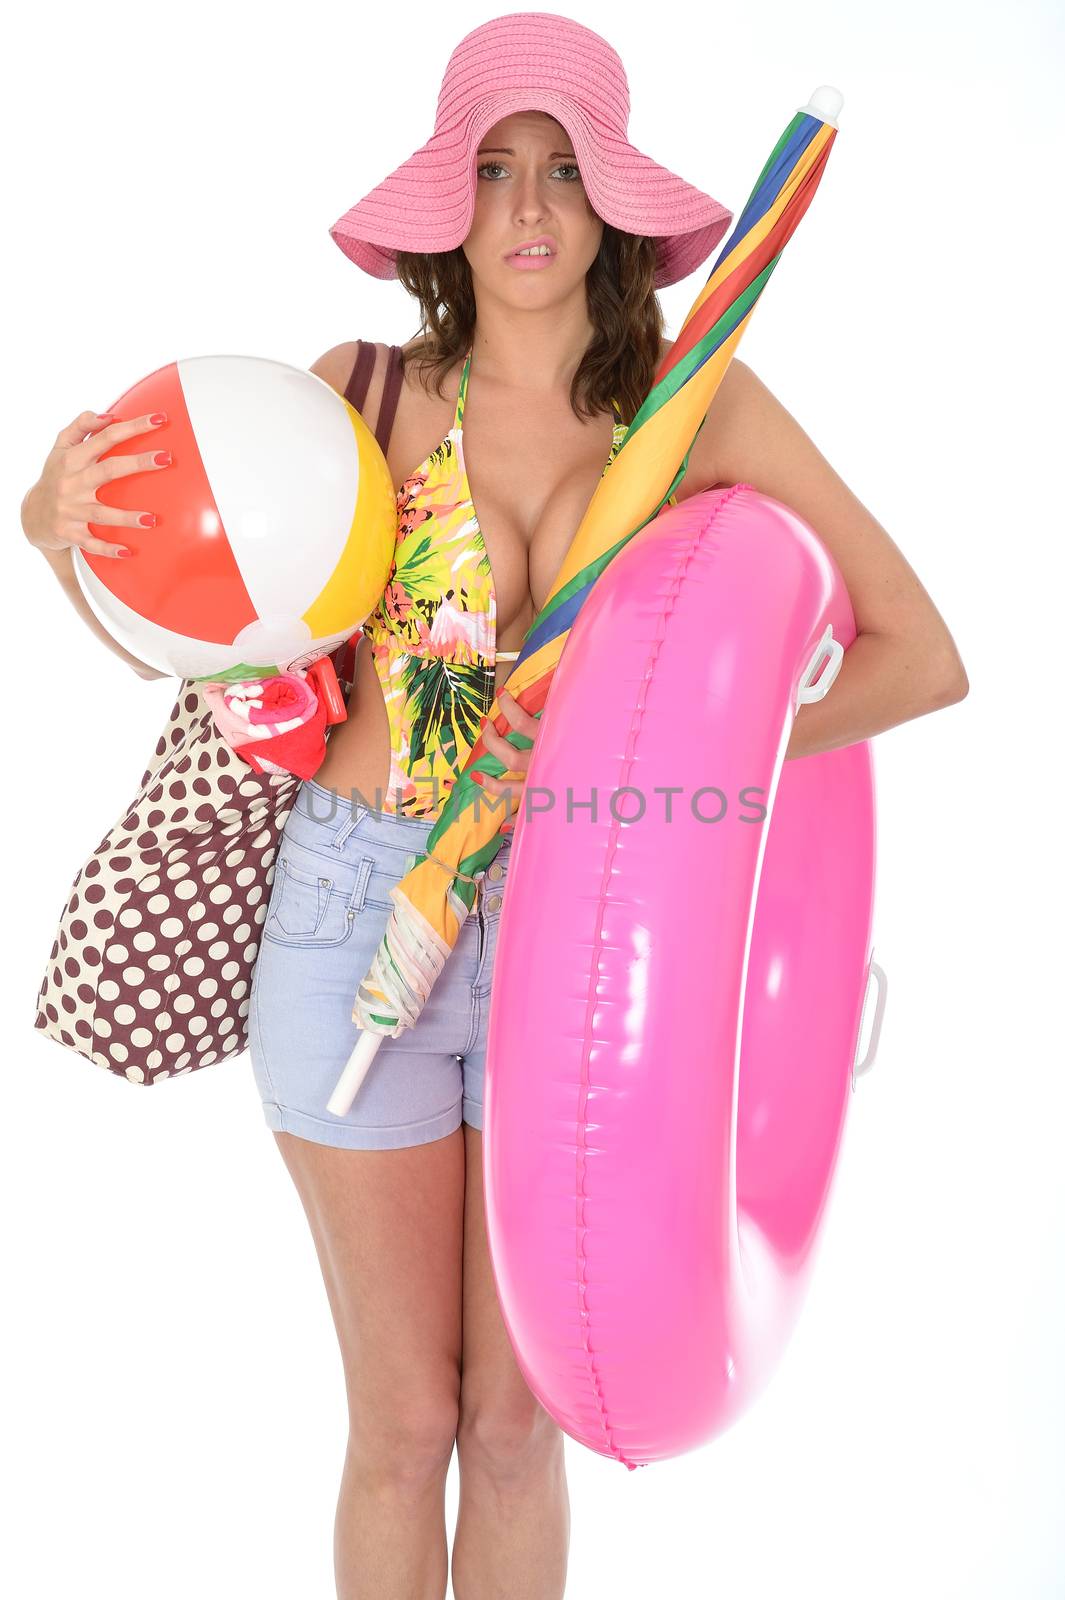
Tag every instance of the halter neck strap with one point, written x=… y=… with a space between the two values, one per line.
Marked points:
x=460 y=402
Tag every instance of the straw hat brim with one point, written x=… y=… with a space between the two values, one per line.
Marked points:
x=427 y=203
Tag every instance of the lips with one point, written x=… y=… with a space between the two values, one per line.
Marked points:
x=534 y=244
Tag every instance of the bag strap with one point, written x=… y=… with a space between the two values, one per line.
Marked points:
x=359 y=384
x=361 y=373
x=390 y=398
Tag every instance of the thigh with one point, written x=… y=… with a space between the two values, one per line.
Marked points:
x=318 y=942
x=387 y=1227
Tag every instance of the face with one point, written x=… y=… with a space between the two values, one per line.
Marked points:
x=528 y=184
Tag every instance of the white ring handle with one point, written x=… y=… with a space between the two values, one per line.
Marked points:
x=830 y=651
x=875 y=972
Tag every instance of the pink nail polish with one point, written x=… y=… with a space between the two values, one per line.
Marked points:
x=147 y=519
x=122 y=551
x=162 y=458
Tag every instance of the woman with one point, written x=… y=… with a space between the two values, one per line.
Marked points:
x=530 y=150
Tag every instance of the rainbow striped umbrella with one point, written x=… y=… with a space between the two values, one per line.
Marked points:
x=434 y=898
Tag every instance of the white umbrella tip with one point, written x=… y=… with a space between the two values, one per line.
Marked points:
x=825 y=103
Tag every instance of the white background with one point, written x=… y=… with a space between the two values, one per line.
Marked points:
x=174 y=1411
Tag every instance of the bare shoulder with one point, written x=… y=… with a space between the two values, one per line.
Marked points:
x=742 y=414
x=335 y=367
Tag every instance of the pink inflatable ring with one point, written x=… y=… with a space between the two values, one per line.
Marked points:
x=677 y=1000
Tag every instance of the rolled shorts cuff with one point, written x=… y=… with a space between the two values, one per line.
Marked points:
x=346 y=1136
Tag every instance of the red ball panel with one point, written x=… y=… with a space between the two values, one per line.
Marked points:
x=182 y=574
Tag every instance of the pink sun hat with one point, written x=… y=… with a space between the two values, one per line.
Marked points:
x=531 y=61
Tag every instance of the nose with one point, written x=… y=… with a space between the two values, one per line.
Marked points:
x=529 y=201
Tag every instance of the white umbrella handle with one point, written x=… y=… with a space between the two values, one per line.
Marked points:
x=350 y=1080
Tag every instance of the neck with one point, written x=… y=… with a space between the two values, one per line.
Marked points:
x=536 y=352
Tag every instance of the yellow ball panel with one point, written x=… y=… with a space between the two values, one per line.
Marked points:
x=357 y=581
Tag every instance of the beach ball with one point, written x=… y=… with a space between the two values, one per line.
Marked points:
x=276 y=522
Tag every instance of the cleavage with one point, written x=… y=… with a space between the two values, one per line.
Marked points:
x=525 y=561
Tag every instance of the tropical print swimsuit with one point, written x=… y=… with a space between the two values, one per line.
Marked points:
x=433 y=634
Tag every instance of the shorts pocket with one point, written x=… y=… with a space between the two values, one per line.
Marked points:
x=307 y=909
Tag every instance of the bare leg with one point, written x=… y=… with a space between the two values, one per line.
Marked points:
x=387 y=1226
x=512 y=1535
x=390 y=1541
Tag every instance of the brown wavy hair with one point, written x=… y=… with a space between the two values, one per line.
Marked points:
x=624 y=351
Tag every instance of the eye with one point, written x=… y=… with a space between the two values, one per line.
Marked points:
x=570 y=166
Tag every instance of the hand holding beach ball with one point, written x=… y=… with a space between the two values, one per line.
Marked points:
x=275 y=522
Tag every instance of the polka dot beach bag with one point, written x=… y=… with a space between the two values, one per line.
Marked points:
x=150 y=972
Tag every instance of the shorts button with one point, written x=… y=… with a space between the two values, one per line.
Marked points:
x=495 y=870
x=493 y=902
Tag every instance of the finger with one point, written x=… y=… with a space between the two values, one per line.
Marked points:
x=104 y=435
x=97 y=511
x=96 y=547
x=517 y=715
x=492 y=738
x=509 y=784
x=501 y=800
x=503 y=750
x=98 y=472
x=502 y=745
x=85 y=422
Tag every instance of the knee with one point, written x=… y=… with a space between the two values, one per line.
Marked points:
x=508 y=1440
x=405 y=1448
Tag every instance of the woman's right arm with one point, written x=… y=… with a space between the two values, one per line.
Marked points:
x=62 y=564
x=57 y=510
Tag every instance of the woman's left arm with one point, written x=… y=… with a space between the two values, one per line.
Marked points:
x=903 y=661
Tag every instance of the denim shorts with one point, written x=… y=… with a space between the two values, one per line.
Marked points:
x=329 y=906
